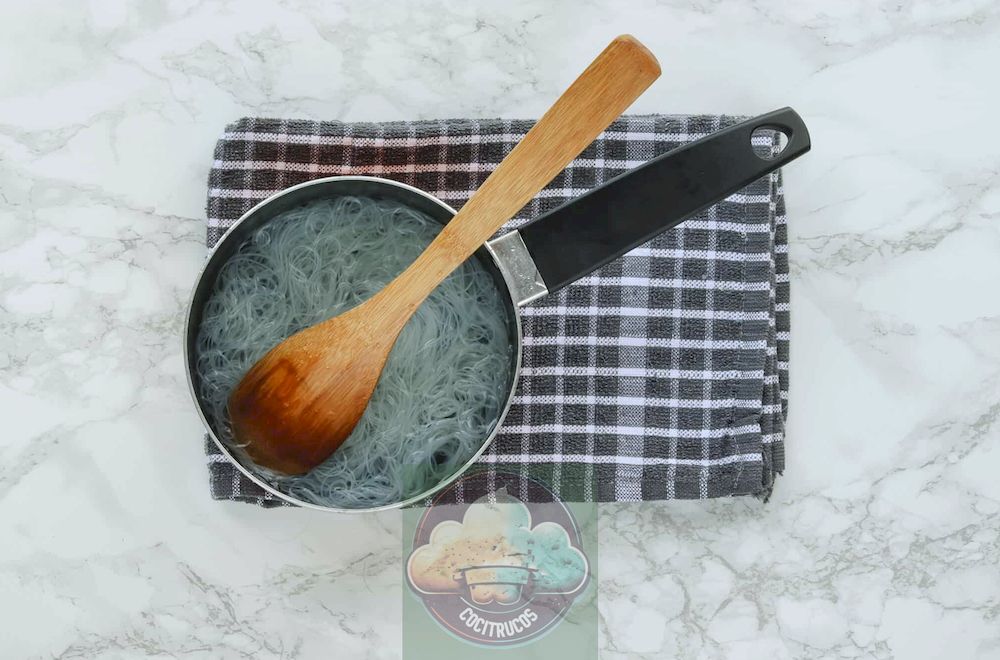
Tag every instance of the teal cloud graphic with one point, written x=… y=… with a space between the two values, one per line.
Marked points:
x=495 y=553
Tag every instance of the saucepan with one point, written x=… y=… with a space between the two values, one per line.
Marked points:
x=542 y=256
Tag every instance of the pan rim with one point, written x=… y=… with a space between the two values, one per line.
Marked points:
x=189 y=349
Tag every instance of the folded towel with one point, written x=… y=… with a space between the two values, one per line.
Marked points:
x=662 y=375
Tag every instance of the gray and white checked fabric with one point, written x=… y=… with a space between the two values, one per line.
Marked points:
x=663 y=375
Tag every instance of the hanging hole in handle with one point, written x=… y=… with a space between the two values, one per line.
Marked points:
x=768 y=141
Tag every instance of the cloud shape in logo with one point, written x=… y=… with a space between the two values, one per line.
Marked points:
x=495 y=552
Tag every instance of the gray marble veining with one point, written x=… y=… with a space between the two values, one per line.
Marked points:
x=882 y=539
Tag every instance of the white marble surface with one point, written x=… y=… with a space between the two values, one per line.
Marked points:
x=881 y=540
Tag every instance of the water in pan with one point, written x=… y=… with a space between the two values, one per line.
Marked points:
x=444 y=384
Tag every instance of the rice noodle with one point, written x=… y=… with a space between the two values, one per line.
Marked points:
x=446 y=379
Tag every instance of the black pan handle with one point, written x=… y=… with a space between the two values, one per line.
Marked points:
x=588 y=232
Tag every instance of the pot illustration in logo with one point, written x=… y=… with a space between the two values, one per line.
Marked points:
x=497 y=570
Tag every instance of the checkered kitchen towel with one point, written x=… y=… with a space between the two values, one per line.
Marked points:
x=662 y=375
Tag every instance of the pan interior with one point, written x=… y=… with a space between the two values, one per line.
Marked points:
x=446 y=383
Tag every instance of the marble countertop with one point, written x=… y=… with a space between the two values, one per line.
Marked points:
x=882 y=539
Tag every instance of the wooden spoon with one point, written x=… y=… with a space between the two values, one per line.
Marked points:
x=301 y=400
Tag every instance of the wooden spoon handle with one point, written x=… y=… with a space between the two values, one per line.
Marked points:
x=602 y=92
